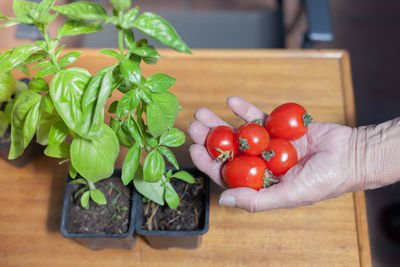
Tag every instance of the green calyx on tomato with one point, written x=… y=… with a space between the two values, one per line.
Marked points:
x=307 y=119
x=269 y=179
x=268 y=155
x=224 y=156
x=258 y=121
x=243 y=144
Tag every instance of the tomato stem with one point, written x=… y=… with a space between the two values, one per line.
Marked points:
x=268 y=178
x=307 y=119
x=243 y=144
x=225 y=155
x=258 y=121
x=268 y=155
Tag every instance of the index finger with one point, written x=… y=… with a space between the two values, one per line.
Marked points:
x=245 y=110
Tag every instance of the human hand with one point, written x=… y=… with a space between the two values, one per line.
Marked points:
x=326 y=166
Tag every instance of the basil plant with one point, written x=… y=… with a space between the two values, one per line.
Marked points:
x=64 y=106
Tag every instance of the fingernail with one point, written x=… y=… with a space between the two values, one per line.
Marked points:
x=228 y=201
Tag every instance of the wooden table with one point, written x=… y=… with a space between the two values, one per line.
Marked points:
x=333 y=232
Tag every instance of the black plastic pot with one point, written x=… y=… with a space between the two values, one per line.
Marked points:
x=177 y=239
x=125 y=240
x=31 y=152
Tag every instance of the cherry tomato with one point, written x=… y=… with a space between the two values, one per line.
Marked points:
x=280 y=156
x=253 y=139
x=221 y=143
x=288 y=121
x=244 y=171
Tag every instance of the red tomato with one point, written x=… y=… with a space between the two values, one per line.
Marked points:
x=244 y=171
x=221 y=143
x=288 y=121
x=280 y=156
x=253 y=139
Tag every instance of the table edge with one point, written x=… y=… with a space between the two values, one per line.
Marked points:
x=358 y=197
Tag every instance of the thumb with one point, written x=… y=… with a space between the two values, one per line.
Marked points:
x=274 y=197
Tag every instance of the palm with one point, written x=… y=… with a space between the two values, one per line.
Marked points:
x=319 y=174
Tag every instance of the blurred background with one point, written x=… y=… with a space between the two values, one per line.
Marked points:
x=368 y=29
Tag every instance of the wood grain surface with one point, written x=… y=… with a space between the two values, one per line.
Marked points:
x=330 y=233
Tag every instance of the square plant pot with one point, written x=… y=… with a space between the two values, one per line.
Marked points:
x=96 y=241
x=161 y=239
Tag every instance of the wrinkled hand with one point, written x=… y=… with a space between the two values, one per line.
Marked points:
x=325 y=168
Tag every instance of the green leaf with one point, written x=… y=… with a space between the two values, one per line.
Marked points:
x=112 y=53
x=128 y=18
x=167 y=153
x=24 y=8
x=58 y=151
x=150 y=140
x=98 y=197
x=131 y=128
x=17 y=56
x=161 y=115
x=47 y=104
x=8 y=108
x=23 y=68
x=58 y=133
x=131 y=71
x=145 y=52
x=78 y=181
x=113 y=107
x=38 y=85
x=72 y=172
x=121 y=5
x=4 y=123
x=150 y=60
x=35 y=57
x=43 y=130
x=60 y=49
x=184 y=176
x=94 y=159
x=7 y=86
x=172 y=138
x=82 y=10
x=152 y=191
x=30 y=124
x=160 y=30
x=94 y=99
x=42 y=64
x=129 y=39
x=146 y=96
x=85 y=200
x=24 y=119
x=123 y=139
x=20 y=87
x=131 y=164
x=66 y=90
x=171 y=197
x=46 y=71
x=73 y=27
x=69 y=58
x=43 y=11
x=127 y=103
x=153 y=167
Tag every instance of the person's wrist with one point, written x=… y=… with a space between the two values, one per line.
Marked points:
x=377 y=154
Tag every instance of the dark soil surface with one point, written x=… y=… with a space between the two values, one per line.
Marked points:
x=189 y=215
x=112 y=218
